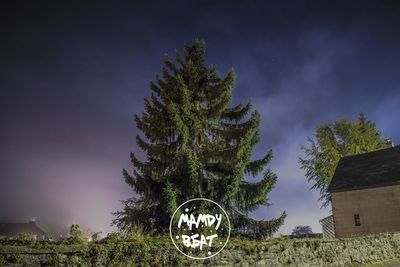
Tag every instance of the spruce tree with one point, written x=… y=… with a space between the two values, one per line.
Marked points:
x=197 y=146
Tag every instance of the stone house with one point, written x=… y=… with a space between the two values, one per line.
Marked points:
x=365 y=194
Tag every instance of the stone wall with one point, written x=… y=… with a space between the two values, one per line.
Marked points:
x=354 y=251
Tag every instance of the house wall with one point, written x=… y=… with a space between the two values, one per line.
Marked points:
x=328 y=227
x=378 y=210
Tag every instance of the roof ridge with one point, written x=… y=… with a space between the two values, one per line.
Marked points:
x=372 y=152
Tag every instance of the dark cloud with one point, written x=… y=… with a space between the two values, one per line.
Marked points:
x=73 y=74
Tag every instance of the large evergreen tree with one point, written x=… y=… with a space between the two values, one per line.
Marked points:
x=197 y=146
x=333 y=141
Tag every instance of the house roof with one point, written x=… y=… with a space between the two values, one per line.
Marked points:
x=373 y=169
x=13 y=229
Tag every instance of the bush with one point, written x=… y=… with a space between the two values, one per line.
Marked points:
x=111 y=238
x=95 y=236
x=136 y=233
x=76 y=235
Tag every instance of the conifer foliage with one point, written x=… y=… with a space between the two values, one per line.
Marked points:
x=331 y=142
x=197 y=146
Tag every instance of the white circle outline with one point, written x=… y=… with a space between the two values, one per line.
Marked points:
x=229 y=225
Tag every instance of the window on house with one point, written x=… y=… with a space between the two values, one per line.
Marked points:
x=357 y=220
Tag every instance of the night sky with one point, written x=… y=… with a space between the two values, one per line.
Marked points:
x=73 y=74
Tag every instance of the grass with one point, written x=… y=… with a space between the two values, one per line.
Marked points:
x=385 y=263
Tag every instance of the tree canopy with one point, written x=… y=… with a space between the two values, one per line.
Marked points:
x=197 y=146
x=302 y=230
x=333 y=141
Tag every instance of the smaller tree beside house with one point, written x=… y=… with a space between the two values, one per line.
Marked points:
x=333 y=141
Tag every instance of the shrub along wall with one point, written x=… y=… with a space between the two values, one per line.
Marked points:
x=160 y=252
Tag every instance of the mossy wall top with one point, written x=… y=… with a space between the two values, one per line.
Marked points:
x=149 y=251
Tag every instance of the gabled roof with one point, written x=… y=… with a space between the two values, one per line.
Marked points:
x=373 y=169
x=13 y=229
